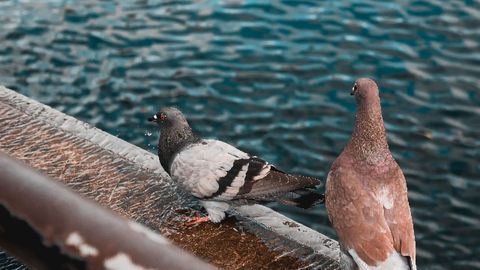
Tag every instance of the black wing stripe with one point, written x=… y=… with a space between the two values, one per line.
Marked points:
x=255 y=166
x=227 y=180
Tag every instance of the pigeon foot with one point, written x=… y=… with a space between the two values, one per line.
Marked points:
x=197 y=220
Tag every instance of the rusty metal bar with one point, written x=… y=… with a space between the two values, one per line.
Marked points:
x=47 y=226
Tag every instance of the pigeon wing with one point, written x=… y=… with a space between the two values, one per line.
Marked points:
x=215 y=170
x=399 y=220
x=210 y=169
x=276 y=182
x=357 y=217
x=264 y=182
x=360 y=219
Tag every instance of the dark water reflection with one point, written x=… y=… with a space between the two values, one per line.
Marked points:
x=274 y=79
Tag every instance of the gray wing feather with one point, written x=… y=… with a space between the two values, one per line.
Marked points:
x=200 y=166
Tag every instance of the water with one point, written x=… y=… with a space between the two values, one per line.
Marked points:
x=274 y=79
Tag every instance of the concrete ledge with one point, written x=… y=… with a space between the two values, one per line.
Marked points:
x=290 y=229
x=130 y=181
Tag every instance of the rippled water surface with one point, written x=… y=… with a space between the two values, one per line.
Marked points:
x=274 y=78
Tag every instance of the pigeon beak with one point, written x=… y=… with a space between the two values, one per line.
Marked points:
x=154 y=118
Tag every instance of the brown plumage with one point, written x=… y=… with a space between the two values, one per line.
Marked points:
x=366 y=192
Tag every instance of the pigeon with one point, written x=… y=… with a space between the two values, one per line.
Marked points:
x=366 y=194
x=220 y=175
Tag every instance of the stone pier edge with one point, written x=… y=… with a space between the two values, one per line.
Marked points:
x=259 y=214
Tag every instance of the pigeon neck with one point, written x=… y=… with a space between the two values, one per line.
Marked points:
x=369 y=142
x=172 y=140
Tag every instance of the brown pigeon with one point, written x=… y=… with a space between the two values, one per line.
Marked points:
x=366 y=194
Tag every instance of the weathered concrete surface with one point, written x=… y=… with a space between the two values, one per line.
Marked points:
x=130 y=181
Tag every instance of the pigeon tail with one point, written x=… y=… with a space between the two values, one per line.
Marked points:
x=276 y=184
x=304 y=198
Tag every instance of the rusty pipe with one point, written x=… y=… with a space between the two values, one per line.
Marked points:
x=48 y=226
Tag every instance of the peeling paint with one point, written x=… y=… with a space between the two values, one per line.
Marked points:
x=76 y=240
x=121 y=261
x=148 y=233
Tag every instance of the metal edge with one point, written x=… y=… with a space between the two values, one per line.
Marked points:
x=262 y=215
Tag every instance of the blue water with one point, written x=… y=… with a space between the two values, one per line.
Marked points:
x=274 y=78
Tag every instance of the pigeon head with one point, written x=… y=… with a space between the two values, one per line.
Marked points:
x=175 y=133
x=168 y=117
x=364 y=89
x=368 y=142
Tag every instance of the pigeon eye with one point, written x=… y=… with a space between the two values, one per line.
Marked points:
x=355 y=87
x=163 y=117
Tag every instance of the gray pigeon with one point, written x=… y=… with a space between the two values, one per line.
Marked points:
x=366 y=194
x=220 y=175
